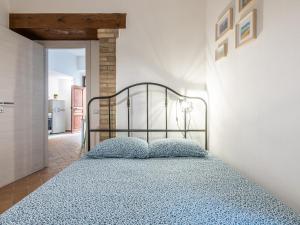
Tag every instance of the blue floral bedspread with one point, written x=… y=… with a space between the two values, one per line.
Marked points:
x=150 y=191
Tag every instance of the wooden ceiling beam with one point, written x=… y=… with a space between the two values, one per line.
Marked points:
x=68 y=20
x=65 y=26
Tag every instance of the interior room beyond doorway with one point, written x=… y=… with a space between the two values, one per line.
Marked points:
x=66 y=91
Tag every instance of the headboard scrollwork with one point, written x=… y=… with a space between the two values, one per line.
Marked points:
x=148 y=130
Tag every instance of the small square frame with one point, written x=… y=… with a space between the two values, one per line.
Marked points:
x=222 y=50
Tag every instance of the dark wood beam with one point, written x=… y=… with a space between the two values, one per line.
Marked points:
x=62 y=26
x=54 y=34
x=68 y=21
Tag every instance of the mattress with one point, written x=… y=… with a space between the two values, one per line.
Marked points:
x=150 y=191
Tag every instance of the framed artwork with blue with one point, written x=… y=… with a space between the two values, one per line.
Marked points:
x=246 y=28
x=224 y=24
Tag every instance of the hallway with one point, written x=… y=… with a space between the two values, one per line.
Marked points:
x=63 y=150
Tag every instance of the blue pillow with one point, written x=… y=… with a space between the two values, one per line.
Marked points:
x=175 y=148
x=123 y=147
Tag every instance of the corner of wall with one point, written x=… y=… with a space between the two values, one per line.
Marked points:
x=251 y=93
x=4 y=12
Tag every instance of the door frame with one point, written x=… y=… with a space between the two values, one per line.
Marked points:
x=88 y=62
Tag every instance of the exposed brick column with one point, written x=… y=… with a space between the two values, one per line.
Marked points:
x=107 y=77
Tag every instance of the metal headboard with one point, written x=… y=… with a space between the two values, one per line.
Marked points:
x=147 y=130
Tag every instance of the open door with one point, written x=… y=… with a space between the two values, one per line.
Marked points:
x=23 y=127
x=77 y=108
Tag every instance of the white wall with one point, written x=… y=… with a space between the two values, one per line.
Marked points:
x=22 y=140
x=4 y=12
x=65 y=61
x=163 y=42
x=254 y=98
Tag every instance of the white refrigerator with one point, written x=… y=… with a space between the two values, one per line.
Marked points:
x=58 y=116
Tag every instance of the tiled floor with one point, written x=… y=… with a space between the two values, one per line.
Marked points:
x=63 y=150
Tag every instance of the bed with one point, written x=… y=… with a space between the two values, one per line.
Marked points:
x=150 y=191
x=182 y=190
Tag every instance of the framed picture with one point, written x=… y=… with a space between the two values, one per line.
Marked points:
x=243 y=4
x=246 y=28
x=222 y=50
x=224 y=24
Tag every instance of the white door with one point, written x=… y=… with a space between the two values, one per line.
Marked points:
x=22 y=126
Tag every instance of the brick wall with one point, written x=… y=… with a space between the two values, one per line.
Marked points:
x=107 y=73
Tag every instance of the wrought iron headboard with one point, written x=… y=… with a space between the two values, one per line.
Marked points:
x=147 y=130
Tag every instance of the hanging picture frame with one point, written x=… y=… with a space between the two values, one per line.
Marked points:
x=222 y=50
x=246 y=29
x=243 y=4
x=224 y=24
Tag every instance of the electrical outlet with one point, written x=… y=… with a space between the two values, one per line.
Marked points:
x=1 y=109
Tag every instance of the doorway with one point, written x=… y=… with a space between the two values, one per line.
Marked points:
x=67 y=69
x=66 y=96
